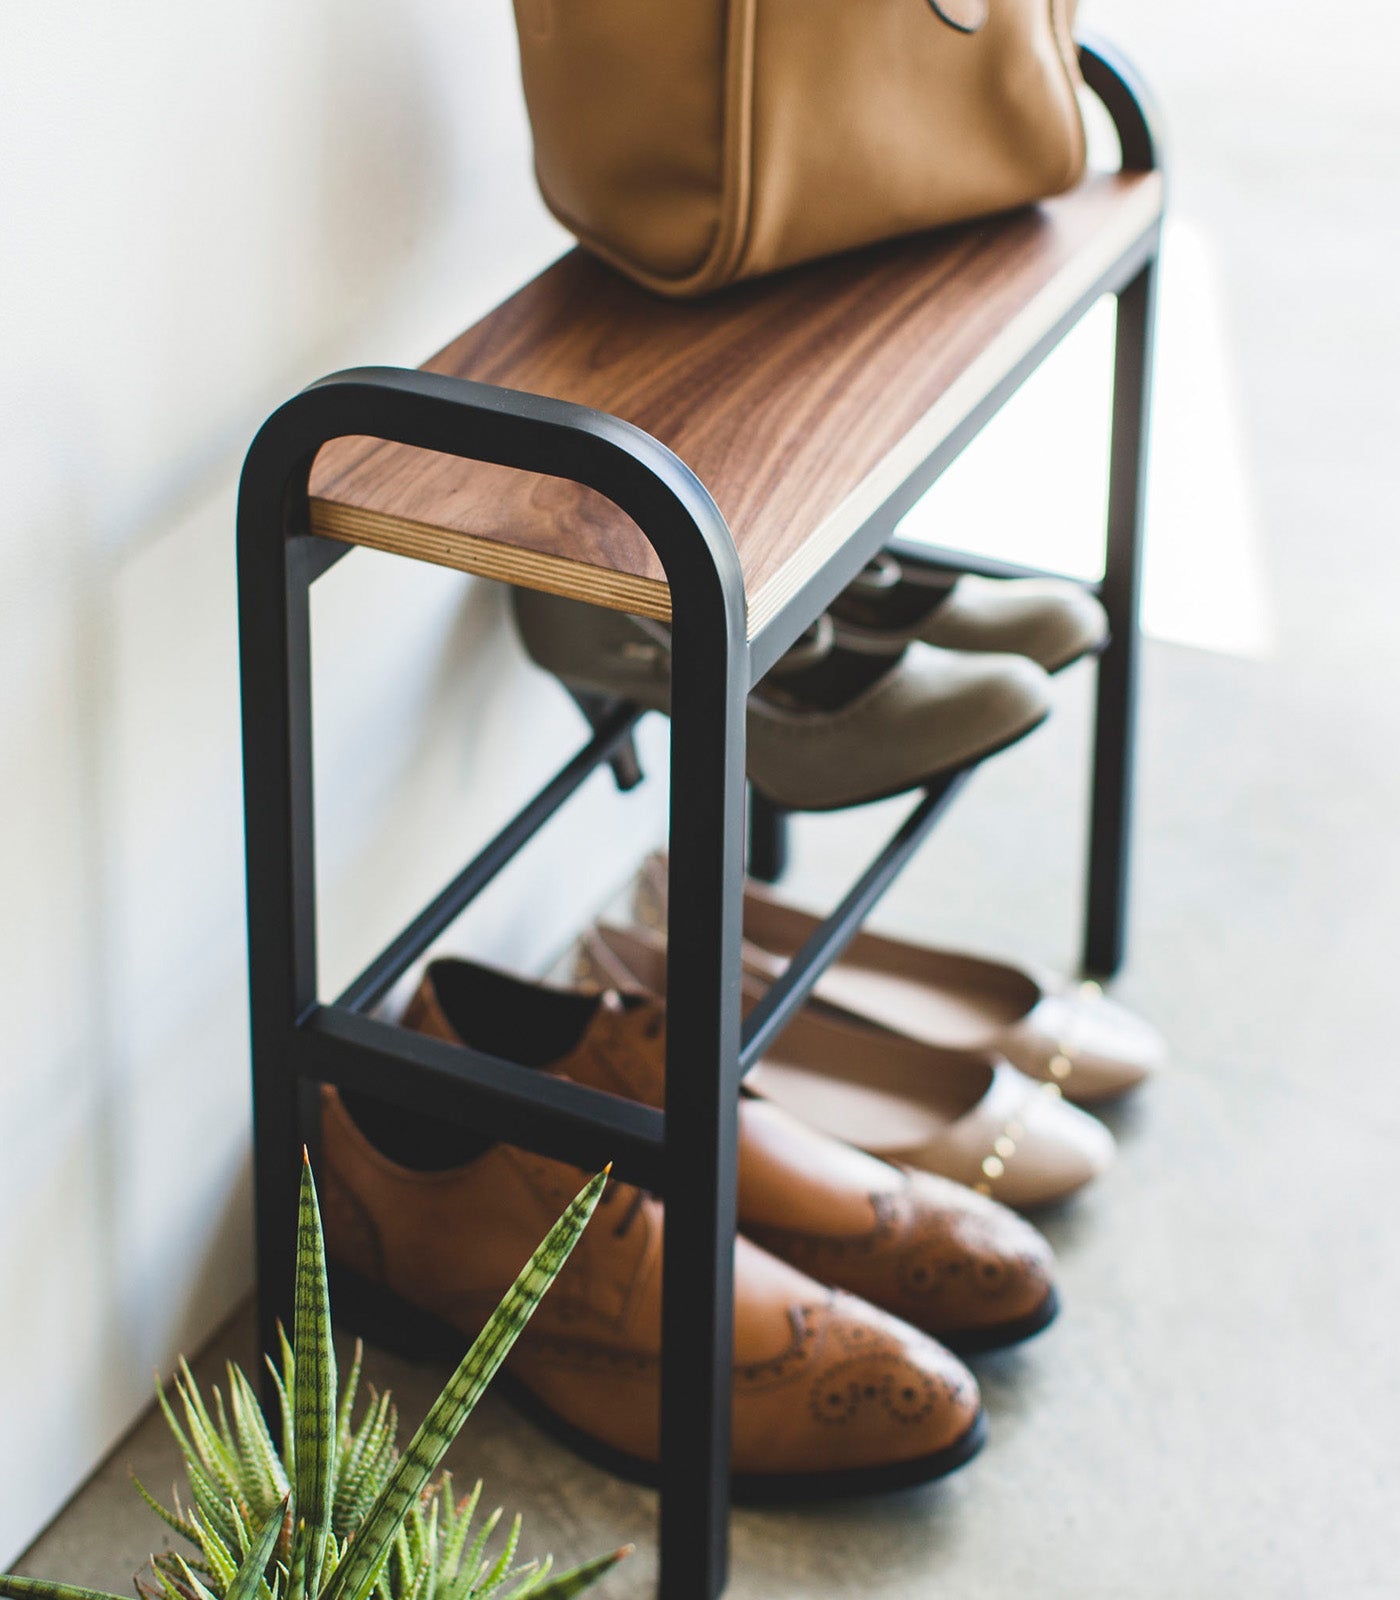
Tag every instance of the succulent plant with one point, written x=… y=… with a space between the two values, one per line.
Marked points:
x=338 y=1513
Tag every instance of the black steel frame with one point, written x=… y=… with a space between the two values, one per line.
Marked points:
x=688 y=1153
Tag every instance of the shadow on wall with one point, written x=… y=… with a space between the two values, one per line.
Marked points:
x=206 y=219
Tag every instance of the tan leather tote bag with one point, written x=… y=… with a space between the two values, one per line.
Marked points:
x=696 y=142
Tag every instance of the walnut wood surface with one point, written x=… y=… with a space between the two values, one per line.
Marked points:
x=799 y=401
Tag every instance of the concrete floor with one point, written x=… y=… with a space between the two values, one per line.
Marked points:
x=1218 y=1410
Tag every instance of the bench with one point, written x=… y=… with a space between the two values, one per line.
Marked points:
x=726 y=466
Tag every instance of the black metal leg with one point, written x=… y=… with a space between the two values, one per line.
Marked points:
x=1110 y=829
x=768 y=839
x=275 y=573
x=708 y=688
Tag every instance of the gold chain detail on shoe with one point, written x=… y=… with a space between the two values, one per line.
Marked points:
x=1062 y=1062
x=1004 y=1146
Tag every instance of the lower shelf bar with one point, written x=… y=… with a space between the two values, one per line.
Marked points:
x=496 y=1098
x=772 y=1014
x=385 y=970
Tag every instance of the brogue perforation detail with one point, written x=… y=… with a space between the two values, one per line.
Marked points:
x=901 y=1392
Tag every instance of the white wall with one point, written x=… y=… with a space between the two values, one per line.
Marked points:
x=205 y=206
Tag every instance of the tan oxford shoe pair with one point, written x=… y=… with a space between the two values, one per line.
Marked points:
x=832 y=1395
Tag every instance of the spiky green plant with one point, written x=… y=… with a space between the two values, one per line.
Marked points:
x=339 y=1513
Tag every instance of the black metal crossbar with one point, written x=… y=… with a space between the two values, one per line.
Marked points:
x=498 y=1099
x=772 y=1014
x=385 y=970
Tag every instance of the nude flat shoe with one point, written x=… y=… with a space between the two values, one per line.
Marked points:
x=954 y=1263
x=1052 y=621
x=825 y=729
x=961 y=1114
x=1059 y=1032
x=831 y=1397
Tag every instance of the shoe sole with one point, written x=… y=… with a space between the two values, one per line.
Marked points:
x=396 y=1325
x=979 y=1341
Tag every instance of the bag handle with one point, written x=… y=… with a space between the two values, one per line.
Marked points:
x=966 y=16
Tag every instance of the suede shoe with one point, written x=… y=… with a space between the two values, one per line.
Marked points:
x=826 y=728
x=1053 y=621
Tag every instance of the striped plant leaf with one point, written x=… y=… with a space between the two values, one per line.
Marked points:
x=16 y=1588
x=283 y=1540
x=249 y=1577
x=169 y=1590
x=565 y=1585
x=257 y=1455
x=283 y=1380
x=218 y=1457
x=222 y=1423
x=347 y=1401
x=313 y=1392
x=458 y=1525
x=356 y=1576
x=296 y=1568
x=194 y=1467
x=474 y=1563
x=222 y=1563
x=500 y=1569
x=191 y=1582
x=360 y=1473
x=531 y=1578
x=172 y=1519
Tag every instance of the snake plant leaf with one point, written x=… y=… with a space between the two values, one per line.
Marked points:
x=501 y=1569
x=347 y=1401
x=296 y=1570
x=314 y=1387
x=360 y=1473
x=219 y=1459
x=283 y=1379
x=458 y=1526
x=168 y=1589
x=171 y=1519
x=257 y=1455
x=469 y=1574
x=188 y=1452
x=222 y=1564
x=191 y=1582
x=356 y=1576
x=13 y=1587
x=532 y=1577
x=245 y=1541
x=565 y=1585
x=249 y=1578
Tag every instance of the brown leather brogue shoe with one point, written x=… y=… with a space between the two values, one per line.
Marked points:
x=831 y=1395
x=962 y=1267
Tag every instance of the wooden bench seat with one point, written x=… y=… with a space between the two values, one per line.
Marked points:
x=801 y=402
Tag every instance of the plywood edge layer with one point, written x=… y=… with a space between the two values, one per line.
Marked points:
x=1021 y=333
x=489 y=558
